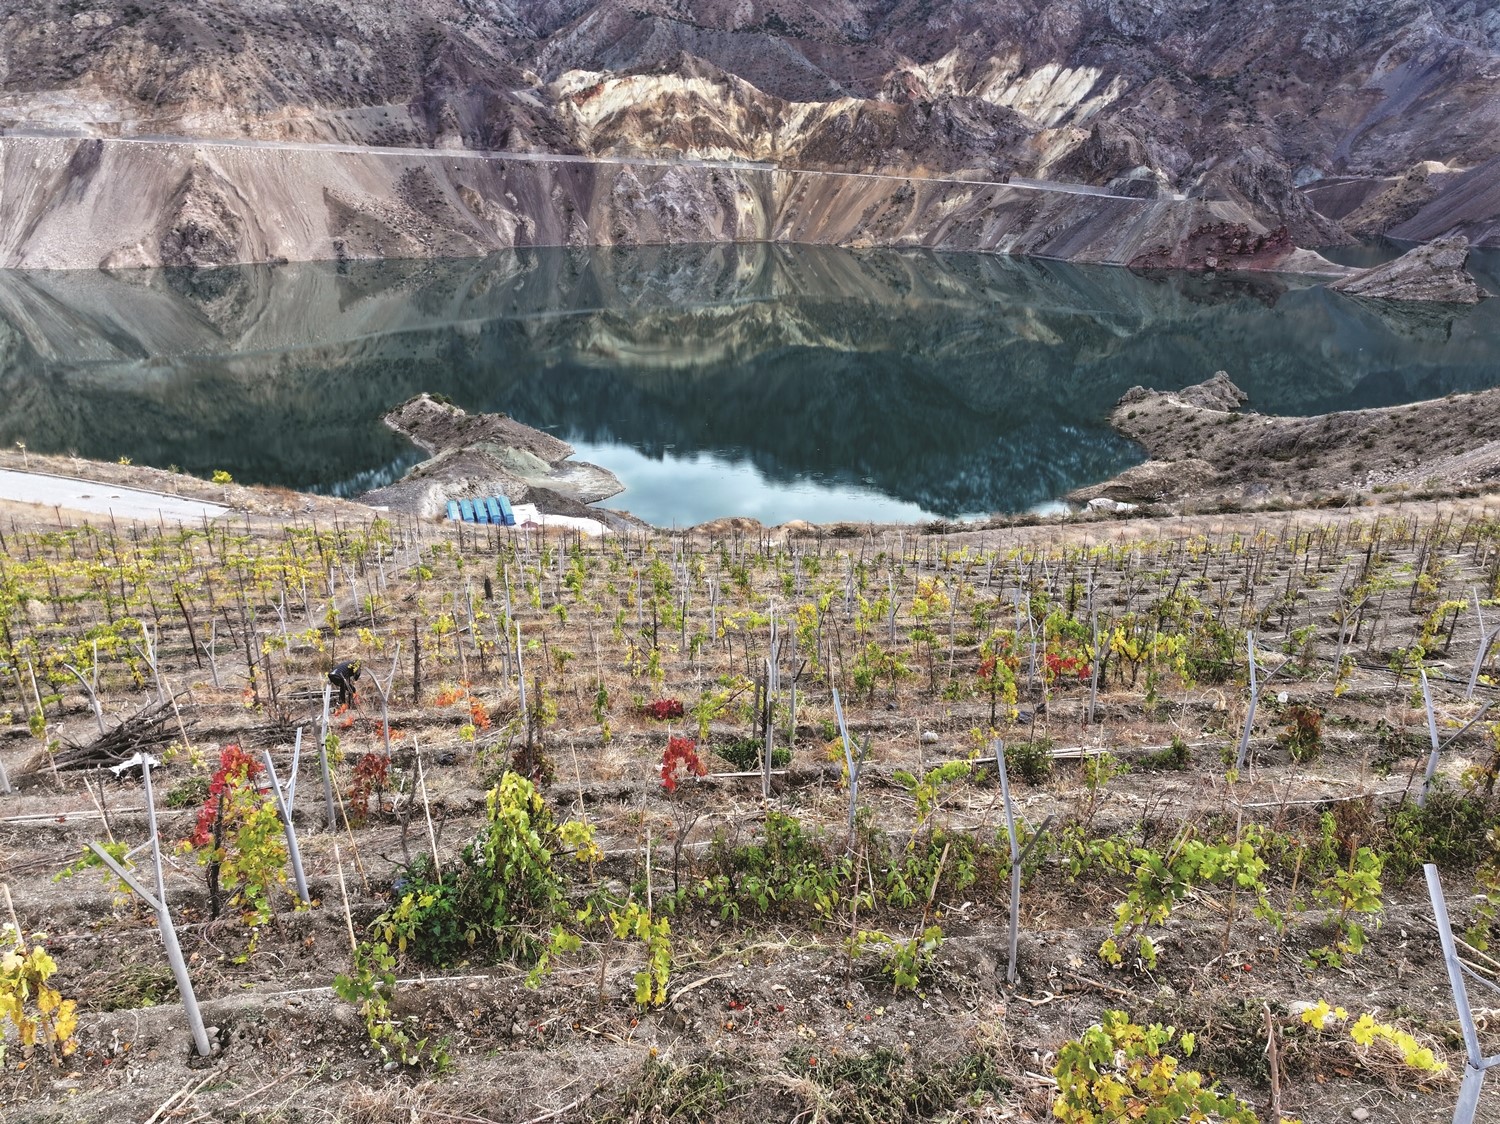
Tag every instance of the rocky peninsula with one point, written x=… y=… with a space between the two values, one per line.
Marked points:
x=1205 y=452
x=475 y=455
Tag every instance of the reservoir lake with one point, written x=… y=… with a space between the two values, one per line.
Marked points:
x=778 y=382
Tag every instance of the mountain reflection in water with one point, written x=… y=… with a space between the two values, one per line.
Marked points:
x=779 y=381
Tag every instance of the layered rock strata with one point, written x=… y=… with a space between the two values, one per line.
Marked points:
x=72 y=203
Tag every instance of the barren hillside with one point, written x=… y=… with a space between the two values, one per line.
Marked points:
x=1305 y=114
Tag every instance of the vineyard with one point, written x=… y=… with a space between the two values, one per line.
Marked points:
x=1084 y=822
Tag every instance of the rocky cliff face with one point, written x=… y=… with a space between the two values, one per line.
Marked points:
x=113 y=204
x=1296 y=113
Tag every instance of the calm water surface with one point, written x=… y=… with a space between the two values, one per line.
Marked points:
x=773 y=381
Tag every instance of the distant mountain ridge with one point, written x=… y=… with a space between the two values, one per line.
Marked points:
x=1324 y=116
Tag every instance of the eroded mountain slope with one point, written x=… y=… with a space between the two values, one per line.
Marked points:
x=1288 y=109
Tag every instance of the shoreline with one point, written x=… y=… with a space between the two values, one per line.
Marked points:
x=1272 y=465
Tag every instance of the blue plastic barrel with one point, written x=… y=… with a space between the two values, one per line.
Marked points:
x=506 y=512
x=492 y=509
x=466 y=510
x=452 y=509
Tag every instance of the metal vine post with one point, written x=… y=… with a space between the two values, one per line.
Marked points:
x=384 y=691
x=1017 y=861
x=1476 y=1065
x=773 y=684
x=852 y=762
x=158 y=904
x=1256 y=686
x=1486 y=642
x=323 y=760
x=284 y=795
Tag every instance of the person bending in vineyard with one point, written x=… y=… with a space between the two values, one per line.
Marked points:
x=343 y=677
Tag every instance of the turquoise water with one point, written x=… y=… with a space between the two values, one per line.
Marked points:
x=780 y=382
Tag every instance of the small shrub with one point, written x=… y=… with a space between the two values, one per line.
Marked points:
x=927 y=790
x=1347 y=891
x=909 y=959
x=1176 y=757
x=1029 y=760
x=370 y=778
x=662 y=1091
x=749 y=753
x=238 y=840
x=889 y=1087
x=1163 y=878
x=1391 y=746
x=187 y=792
x=1303 y=736
x=1377 y=1042
x=41 y=1016
x=128 y=987
x=1448 y=830
x=634 y=920
x=479 y=717
x=1060 y=667
x=790 y=872
x=371 y=987
x=502 y=898
x=1211 y=651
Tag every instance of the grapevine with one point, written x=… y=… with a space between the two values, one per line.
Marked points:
x=680 y=751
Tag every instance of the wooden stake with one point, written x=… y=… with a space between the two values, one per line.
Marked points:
x=10 y=907
x=51 y=760
x=426 y=809
x=1274 y=1061
x=359 y=867
x=338 y=860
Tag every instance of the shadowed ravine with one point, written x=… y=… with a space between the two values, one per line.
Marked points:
x=938 y=384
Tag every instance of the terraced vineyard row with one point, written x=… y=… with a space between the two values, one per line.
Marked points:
x=673 y=825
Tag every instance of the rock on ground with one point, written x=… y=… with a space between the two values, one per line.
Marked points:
x=1156 y=481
